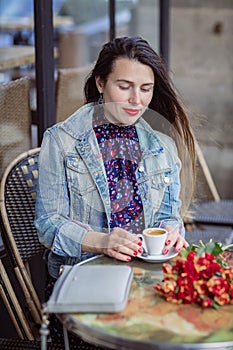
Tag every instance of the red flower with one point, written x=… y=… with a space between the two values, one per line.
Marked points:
x=217 y=285
x=191 y=256
x=197 y=279
x=169 y=286
x=207 y=302
x=167 y=268
x=222 y=299
x=190 y=268
x=200 y=287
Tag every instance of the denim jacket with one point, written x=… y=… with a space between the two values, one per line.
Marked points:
x=73 y=195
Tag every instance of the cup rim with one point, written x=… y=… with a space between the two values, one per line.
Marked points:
x=144 y=232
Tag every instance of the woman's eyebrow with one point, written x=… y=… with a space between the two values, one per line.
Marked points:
x=150 y=84
x=131 y=82
x=124 y=81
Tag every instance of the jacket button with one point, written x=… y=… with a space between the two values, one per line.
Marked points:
x=166 y=179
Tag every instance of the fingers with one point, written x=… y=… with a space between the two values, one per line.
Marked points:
x=127 y=249
x=174 y=239
x=123 y=245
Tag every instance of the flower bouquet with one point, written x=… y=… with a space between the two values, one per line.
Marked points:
x=198 y=276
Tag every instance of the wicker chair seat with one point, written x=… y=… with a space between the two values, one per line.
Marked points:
x=216 y=212
x=19 y=344
x=218 y=233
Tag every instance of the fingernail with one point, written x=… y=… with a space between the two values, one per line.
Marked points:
x=135 y=253
x=165 y=251
x=128 y=258
x=168 y=241
x=178 y=250
x=140 y=243
x=140 y=250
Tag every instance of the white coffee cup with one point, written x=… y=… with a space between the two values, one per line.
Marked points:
x=154 y=239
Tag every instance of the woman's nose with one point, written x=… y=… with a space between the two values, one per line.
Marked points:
x=134 y=97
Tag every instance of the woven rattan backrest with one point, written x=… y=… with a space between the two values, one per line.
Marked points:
x=15 y=119
x=18 y=193
x=69 y=90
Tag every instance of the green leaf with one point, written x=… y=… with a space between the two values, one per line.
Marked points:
x=201 y=251
x=214 y=248
x=215 y=305
x=211 y=247
x=184 y=253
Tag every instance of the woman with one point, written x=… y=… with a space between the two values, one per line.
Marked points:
x=104 y=173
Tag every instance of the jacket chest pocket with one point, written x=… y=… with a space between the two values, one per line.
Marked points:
x=160 y=190
x=83 y=190
x=78 y=176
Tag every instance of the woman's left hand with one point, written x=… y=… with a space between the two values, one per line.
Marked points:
x=174 y=239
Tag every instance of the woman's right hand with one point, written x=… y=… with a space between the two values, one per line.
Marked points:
x=119 y=244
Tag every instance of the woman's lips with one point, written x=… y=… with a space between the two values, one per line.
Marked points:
x=132 y=112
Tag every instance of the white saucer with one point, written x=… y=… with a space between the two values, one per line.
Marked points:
x=159 y=258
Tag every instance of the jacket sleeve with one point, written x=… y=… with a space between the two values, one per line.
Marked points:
x=56 y=230
x=169 y=211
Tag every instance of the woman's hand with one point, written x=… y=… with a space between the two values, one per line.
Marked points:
x=119 y=244
x=174 y=239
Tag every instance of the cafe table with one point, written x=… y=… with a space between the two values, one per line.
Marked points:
x=149 y=322
x=27 y=23
x=15 y=56
x=18 y=55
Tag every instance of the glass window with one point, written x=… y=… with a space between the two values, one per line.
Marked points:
x=91 y=27
x=142 y=19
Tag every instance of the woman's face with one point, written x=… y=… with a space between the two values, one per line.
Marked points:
x=127 y=91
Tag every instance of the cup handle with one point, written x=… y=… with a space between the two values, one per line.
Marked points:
x=140 y=236
x=142 y=239
x=145 y=250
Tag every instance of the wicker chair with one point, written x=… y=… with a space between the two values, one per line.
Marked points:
x=13 y=306
x=19 y=234
x=15 y=119
x=17 y=200
x=19 y=344
x=218 y=233
x=69 y=90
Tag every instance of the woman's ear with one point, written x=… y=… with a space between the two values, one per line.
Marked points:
x=99 y=84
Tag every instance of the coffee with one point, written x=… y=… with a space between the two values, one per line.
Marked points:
x=155 y=232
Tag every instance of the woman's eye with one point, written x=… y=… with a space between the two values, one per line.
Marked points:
x=124 y=87
x=146 y=89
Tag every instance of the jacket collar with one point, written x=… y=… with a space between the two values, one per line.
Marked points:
x=149 y=139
